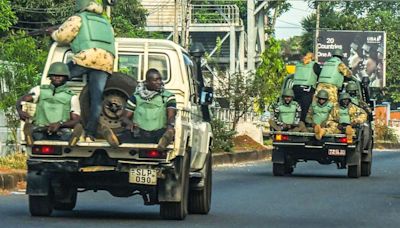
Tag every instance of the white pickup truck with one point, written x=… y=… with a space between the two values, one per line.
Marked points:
x=179 y=179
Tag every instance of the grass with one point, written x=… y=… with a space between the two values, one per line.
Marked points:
x=13 y=161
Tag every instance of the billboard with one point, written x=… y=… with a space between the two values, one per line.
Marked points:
x=364 y=52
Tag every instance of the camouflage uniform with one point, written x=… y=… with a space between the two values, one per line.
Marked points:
x=357 y=116
x=94 y=58
x=329 y=125
x=277 y=125
x=330 y=88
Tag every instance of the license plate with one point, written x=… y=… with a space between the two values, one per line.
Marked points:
x=143 y=176
x=336 y=152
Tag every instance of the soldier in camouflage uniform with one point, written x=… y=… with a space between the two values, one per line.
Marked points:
x=286 y=116
x=348 y=116
x=352 y=90
x=332 y=75
x=91 y=38
x=319 y=116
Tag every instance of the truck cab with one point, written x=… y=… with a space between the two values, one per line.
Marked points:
x=179 y=179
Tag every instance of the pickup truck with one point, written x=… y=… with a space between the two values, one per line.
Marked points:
x=289 y=148
x=179 y=180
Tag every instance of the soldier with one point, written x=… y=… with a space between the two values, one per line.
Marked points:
x=319 y=114
x=150 y=113
x=305 y=79
x=348 y=116
x=332 y=75
x=57 y=110
x=286 y=115
x=91 y=38
x=352 y=90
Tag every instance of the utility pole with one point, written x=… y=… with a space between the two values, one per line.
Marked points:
x=175 y=33
x=317 y=5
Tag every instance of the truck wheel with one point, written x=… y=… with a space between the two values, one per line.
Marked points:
x=367 y=165
x=69 y=205
x=179 y=210
x=289 y=169
x=366 y=169
x=278 y=169
x=118 y=88
x=41 y=205
x=200 y=200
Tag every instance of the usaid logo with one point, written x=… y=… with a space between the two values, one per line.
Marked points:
x=374 y=39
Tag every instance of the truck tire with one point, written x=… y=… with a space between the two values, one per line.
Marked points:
x=354 y=171
x=366 y=169
x=179 y=210
x=117 y=90
x=367 y=165
x=200 y=200
x=67 y=206
x=278 y=169
x=41 y=205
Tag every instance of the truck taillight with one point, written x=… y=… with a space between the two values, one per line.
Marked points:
x=280 y=137
x=46 y=150
x=153 y=154
x=342 y=140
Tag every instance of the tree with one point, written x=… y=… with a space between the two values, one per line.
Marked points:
x=7 y=16
x=365 y=16
x=22 y=63
x=269 y=74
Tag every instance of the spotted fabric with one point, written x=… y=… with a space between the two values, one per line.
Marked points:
x=93 y=58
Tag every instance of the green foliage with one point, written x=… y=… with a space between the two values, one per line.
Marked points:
x=20 y=70
x=269 y=74
x=364 y=16
x=385 y=133
x=7 y=16
x=223 y=137
x=13 y=161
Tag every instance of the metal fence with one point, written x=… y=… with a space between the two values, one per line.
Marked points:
x=214 y=14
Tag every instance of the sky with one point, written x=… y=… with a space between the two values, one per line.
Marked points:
x=288 y=24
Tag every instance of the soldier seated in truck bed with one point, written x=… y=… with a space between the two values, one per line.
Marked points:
x=348 y=116
x=319 y=114
x=57 y=109
x=287 y=112
x=150 y=113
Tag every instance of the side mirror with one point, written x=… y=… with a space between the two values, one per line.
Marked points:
x=206 y=96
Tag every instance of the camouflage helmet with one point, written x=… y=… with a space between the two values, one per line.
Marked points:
x=337 y=52
x=287 y=93
x=59 y=68
x=323 y=94
x=344 y=96
x=351 y=87
x=82 y=4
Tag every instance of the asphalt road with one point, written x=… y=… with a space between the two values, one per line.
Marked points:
x=248 y=196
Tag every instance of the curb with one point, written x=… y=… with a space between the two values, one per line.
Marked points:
x=9 y=181
x=386 y=145
x=240 y=157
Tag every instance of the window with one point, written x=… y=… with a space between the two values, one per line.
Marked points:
x=161 y=63
x=130 y=64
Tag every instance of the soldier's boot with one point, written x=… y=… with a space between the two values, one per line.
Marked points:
x=110 y=136
x=165 y=140
x=28 y=133
x=76 y=135
x=349 y=133
x=319 y=132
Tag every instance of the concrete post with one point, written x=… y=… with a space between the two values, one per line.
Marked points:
x=232 y=49
x=251 y=36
